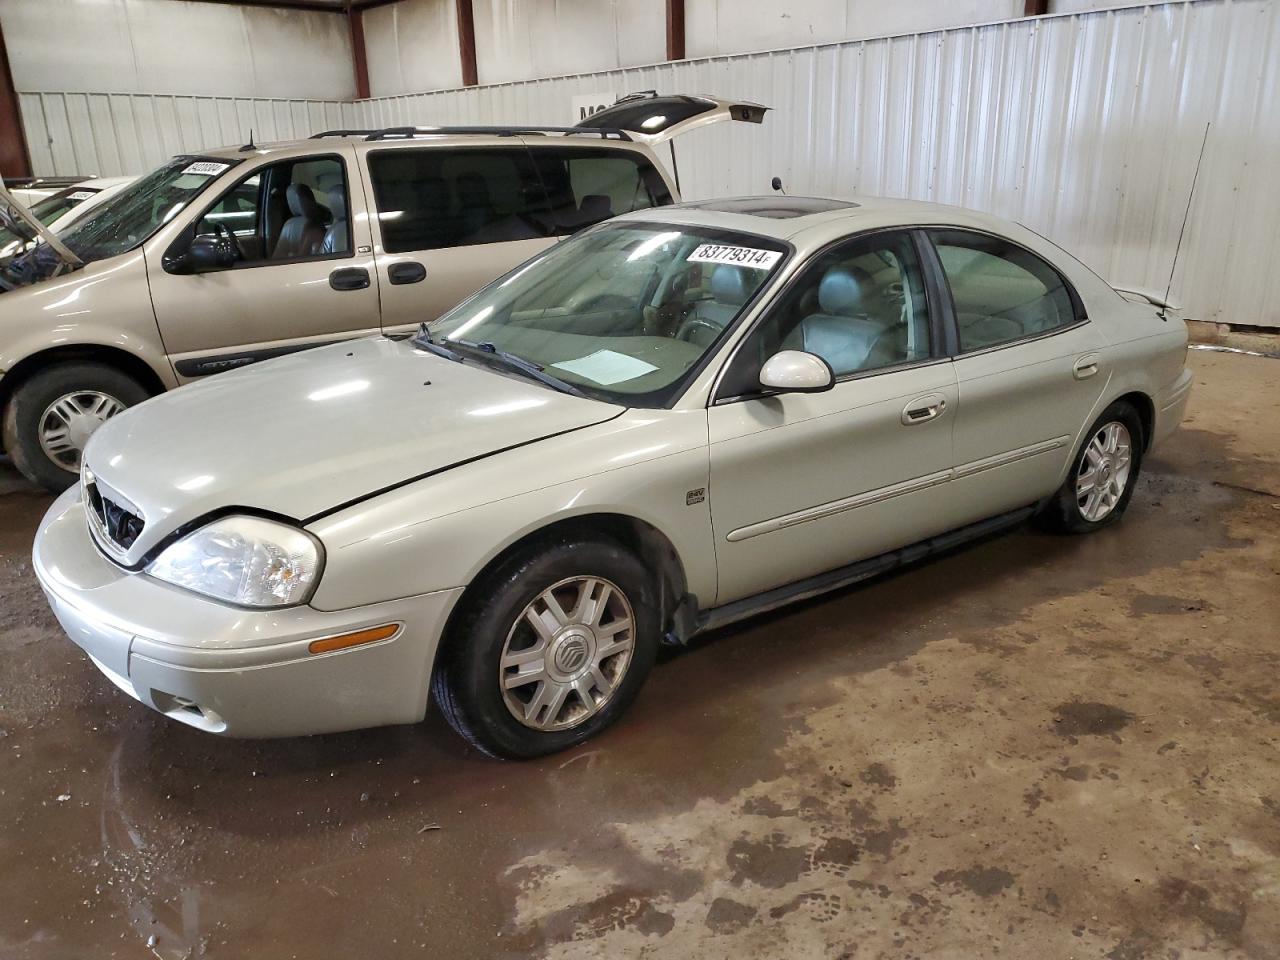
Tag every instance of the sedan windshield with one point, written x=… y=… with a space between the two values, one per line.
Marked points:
x=142 y=208
x=624 y=313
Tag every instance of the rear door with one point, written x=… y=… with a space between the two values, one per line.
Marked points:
x=1030 y=369
x=447 y=220
x=652 y=119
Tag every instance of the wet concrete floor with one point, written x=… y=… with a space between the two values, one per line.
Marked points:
x=1036 y=746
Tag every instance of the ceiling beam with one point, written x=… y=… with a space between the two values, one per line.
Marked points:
x=467 y=42
x=15 y=161
x=675 y=29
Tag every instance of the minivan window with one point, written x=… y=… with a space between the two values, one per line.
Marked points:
x=434 y=198
x=586 y=185
x=1001 y=291
x=139 y=210
x=617 y=312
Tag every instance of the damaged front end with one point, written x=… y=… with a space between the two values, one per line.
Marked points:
x=48 y=256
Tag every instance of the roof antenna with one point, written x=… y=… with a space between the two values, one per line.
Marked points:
x=776 y=183
x=250 y=146
x=1185 y=216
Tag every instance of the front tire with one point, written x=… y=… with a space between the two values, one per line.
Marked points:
x=1102 y=476
x=51 y=415
x=548 y=649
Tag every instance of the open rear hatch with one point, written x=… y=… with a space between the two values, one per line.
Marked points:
x=654 y=119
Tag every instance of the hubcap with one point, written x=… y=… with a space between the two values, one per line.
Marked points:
x=567 y=653
x=1104 y=471
x=67 y=423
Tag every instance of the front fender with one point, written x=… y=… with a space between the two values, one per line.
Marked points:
x=439 y=533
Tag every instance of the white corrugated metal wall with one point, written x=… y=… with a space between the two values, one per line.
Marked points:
x=1085 y=127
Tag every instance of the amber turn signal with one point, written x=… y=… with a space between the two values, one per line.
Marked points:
x=341 y=642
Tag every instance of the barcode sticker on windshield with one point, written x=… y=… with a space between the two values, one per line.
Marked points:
x=735 y=256
x=206 y=168
x=80 y=195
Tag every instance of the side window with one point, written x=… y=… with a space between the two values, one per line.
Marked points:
x=291 y=210
x=434 y=198
x=588 y=185
x=1001 y=292
x=860 y=306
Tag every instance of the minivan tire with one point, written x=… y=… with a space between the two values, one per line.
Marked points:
x=1065 y=513
x=33 y=397
x=468 y=684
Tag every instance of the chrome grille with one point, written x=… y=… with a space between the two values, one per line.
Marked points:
x=113 y=521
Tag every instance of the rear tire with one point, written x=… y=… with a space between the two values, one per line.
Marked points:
x=516 y=690
x=52 y=413
x=1102 y=475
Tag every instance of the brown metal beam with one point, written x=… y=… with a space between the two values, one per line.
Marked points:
x=15 y=161
x=467 y=42
x=359 y=58
x=675 y=29
x=1035 y=8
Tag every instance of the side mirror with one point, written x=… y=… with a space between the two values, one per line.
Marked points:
x=202 y=254
x=794 y=371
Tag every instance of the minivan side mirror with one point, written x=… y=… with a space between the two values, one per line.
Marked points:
x=794 y=371
x=203 y=254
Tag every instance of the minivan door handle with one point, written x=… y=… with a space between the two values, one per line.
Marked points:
x=349 y=278
x=1085 y=367
x=924 y=409
x=408 y=271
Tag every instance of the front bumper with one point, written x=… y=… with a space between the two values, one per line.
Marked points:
x=230 y=671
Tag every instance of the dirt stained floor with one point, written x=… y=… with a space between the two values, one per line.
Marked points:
x=1033 y=747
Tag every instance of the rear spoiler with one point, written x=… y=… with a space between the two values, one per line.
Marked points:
x=1147 y=295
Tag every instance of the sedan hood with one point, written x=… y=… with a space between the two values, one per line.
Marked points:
x=303 y=434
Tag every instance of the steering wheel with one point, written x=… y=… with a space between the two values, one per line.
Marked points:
x=228 y=239
x=692 y=327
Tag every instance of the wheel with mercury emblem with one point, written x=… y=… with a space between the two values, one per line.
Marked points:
x=1102 y=476
x=51 y=415
x=548 y=649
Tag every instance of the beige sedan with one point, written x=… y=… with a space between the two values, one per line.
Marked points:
x=669 y=422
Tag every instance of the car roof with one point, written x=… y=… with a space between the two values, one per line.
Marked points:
x=804 y=221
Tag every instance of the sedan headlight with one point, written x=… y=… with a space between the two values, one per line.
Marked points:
x=248 y=561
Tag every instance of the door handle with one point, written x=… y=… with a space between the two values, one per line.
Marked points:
x=924 y=409
x=1085 y=367
x=409 y=271
x=349 y=278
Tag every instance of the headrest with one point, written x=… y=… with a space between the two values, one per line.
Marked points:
x=595 y=207
x=338 y=203
x=729 y=284
x=302 y=202
x=840 y=293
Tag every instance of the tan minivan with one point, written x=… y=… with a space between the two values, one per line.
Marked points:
x=218 y=260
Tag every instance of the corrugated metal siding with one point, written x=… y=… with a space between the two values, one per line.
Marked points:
x=119 y=134
x=1085 y=127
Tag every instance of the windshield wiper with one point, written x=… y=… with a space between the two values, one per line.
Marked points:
x=423 y=340
x=518 y=363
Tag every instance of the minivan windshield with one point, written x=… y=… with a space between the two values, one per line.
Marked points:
x=142 y=208
x=623 y=313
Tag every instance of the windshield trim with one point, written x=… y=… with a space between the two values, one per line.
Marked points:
x=676 y=391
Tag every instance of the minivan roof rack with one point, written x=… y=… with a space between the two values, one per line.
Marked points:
x=408 y=133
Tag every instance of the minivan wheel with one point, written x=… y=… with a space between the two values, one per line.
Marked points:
x=549 y=649
x=1102 y=476
x=52 y=414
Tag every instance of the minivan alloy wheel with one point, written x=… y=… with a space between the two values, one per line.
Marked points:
x=567 y=653
x=68 y=422
x=1104 y=471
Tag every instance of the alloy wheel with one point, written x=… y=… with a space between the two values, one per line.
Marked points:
x=567 y=653
x=1104 y=471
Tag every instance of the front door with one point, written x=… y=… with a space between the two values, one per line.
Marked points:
x=304 y=275
x=803 y=483
x=1030 y=369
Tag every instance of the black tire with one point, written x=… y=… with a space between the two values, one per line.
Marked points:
x=27 y=406
x=1063 y=513
x=465 y=684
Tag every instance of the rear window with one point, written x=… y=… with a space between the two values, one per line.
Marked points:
x=587 y=186
x=432 y=198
